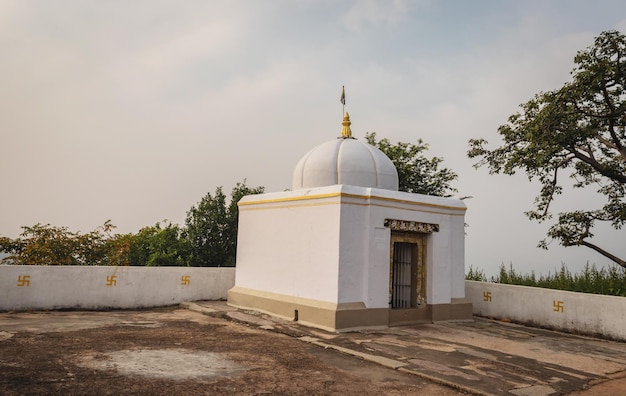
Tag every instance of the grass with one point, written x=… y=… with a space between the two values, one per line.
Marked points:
x=608 y=281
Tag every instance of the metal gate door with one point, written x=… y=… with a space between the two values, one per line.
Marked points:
x=402 y=284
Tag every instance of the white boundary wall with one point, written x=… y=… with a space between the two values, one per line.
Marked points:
x=581 y=313
x=33 y=287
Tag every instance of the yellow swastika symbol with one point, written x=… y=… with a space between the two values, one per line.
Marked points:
x=487 y=296
x=111 y=280
x=23 y=280
x=185 y=280
x=558 y=306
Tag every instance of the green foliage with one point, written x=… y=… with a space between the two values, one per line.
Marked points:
x=206 y=228
x=156 y=246
x=416 y=173
x=579 y=131
x=476 y=275
x=512 y=277
x=238 y=192
x=211 y=227
x=611 y=281
x=50 y=245
x=119 y=247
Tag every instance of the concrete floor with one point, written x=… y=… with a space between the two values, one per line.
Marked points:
x=478 y=357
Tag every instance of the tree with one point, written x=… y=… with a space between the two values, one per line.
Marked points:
x=211 y=227
x=579 y=131
x=51 y=245
x=416 y=173
x=159 y=246
x=238 y=192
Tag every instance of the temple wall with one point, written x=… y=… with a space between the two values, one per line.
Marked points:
x=299 y=251
x=33 y=287
x=445 y=258
x=353 y=272
x=289 y=247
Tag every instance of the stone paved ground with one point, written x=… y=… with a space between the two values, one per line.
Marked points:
x=210 y=348
x=178 y=351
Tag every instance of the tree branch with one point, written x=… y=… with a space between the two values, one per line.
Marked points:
x=598 y=167
x=609 y=144
x=606 y=254
x=613 y=113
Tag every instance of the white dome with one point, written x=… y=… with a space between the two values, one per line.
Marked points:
x=345 y=161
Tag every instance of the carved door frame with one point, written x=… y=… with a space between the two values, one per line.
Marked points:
x=417 y=243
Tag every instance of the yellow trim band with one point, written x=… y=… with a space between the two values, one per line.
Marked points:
x=346 y=195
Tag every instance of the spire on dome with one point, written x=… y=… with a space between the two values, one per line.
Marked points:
x=346 y=132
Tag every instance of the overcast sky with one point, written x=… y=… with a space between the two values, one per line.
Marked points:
x=134 y=110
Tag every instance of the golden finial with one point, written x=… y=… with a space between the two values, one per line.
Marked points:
x=345 y=130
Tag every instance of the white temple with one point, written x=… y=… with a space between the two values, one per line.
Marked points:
x=346 y=250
